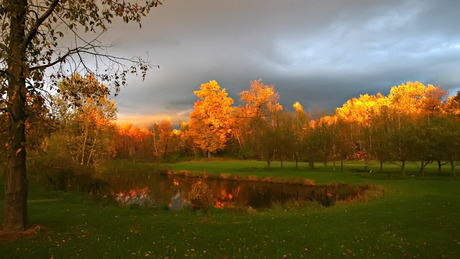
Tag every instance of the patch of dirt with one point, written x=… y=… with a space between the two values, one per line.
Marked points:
x=8 y=236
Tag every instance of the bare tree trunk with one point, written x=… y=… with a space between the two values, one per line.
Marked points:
x=15 y=205
x=440 y=165
x=312 y=164
x=93 y=148
x=422 y=168
x=403 y=168
x=296 y=162
x=85 y=140
x=165 y=153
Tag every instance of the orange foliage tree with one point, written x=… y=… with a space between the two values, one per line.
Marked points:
x=168 y=138
x=259 y=111
x=211 y=119
x=133 y=142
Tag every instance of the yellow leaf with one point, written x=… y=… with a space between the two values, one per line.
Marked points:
x=19 y=150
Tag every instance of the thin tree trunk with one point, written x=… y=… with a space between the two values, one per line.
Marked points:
x=296 y=163
x=155 y=149
x=440 y=164
x=91 y=152
x=403 y=168
x=452 y=168
x=15 y=205
x=312 y=164
x=85 y=139
x=166 y=150
x=422 y=169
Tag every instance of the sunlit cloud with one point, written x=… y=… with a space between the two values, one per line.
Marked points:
x=317 y=52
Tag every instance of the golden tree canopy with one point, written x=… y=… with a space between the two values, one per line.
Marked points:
x=211 y=119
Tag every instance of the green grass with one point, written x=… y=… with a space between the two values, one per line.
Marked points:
x=416 y=218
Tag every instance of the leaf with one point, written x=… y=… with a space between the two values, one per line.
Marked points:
x=19 y=150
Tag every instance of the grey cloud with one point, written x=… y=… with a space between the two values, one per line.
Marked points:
x=317 y=52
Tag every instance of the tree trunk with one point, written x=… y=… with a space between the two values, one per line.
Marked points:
x=15 y=205
x=296 y=163
x=85 y=140
x=403 y=168
x=312 y=164
x=422 y=169
x=439 y=167
x=452 y=168
x=93 y=148
x=341 y=164
x=166 y=150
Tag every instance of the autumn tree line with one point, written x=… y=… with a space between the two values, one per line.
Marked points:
x=412 y=123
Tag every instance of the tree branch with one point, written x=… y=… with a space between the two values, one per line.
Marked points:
x=58 y=60
x=3 y=46
x=33 y=31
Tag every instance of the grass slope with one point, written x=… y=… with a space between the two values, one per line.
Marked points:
x=416 y=218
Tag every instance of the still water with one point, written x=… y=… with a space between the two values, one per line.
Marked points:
x=175 y=191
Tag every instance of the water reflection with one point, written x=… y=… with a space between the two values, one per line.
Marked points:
x=175 y=191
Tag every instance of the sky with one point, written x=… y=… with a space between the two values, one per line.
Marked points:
x=320 y=53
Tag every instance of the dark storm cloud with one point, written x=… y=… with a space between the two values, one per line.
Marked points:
x=317 y=52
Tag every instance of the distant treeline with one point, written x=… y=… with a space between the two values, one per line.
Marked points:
x=413 y=122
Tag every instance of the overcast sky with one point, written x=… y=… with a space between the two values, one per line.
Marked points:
x=318 y=52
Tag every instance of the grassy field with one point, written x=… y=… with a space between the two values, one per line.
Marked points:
x=416 y=218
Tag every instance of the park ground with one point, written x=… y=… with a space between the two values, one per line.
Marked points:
x=416 y=218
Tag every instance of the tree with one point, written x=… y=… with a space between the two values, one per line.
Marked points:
x=300 y=122
x=285 y=136
x=33 y=33
x=168 y=138
x=342 y=142
x=402 y=142
x=86 y=115
x=133 y=142
x=211 y=118
x=259 y=110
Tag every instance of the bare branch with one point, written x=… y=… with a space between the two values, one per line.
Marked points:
x=58 y=60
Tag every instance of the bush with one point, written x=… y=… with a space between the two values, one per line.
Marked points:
x=59 y=173
x=200 y=196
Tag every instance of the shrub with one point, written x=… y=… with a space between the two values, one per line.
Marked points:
x=59 y=173
x=200 y=196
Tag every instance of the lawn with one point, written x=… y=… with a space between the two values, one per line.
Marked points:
x=416 y=218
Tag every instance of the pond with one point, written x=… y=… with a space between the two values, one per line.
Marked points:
x=179 y=190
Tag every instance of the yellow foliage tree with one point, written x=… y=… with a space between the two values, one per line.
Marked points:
x=211 y=119
x=260 y=101
x=362 y=109
x=414 y=98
